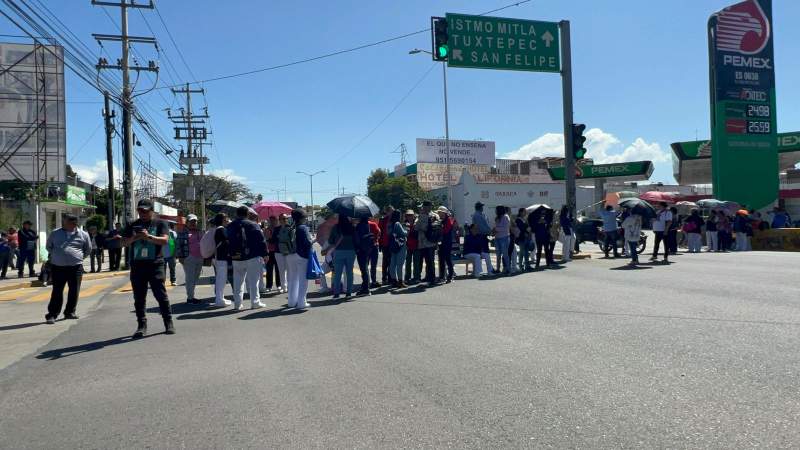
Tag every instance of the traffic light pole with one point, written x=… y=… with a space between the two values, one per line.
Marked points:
x=566 y=87
x=447 y=141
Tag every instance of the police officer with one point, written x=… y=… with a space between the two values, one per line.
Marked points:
x=147 y=237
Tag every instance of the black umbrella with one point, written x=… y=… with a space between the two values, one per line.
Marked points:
x=538 y=207
x=359 y=206
x=639 y=206
x=225 y=206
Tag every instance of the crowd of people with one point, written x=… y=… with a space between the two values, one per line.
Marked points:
x=255 y=258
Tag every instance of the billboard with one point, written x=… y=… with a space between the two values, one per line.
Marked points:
x=461 y=152
x=433 y=176
x=743 y=125
x=32 y=115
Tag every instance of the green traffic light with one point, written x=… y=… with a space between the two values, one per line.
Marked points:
x=580 y=153
x=443 y=51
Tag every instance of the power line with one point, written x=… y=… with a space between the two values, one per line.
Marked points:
x=177 y=49
x=332 y=54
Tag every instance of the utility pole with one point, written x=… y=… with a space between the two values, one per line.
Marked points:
x=566 y=87
x=192 y=130
x=127 y=93
x=109 y=114
x=311 y=179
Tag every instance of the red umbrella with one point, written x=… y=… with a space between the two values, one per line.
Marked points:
x=266 y=209
x=658 y=196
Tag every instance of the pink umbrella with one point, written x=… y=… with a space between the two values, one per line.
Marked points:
x=324 y=229
x=658 y=196
x=265 y=209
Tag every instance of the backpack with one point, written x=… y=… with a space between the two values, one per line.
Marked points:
x=434 y=231
x=208 y=246
x=237 y=244
x=396 y=242
x=287 y=240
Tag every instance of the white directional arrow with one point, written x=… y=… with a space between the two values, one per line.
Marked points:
x=547 y=38
x=457 y=55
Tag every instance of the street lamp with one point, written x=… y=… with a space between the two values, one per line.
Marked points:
x=311 y=179
x=446 y=127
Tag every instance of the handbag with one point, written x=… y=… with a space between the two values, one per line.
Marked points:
x=313 y=269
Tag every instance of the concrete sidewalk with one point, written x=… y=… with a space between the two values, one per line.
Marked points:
x=11 y=281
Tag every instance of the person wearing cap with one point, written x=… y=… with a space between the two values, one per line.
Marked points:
x=147 y=237
x=67 y=248
x=427 y=220
x=449 y=233
x=191 y=258
x=412 y=250
x=247 y=248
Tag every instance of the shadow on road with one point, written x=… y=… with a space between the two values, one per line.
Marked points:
x=20 y=326
x=84 y=348
x=268 y=313
x=627 y=267
x=215 y=312
x=181 y=308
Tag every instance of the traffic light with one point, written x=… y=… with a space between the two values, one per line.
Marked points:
x=441 y=49
x=578 y=140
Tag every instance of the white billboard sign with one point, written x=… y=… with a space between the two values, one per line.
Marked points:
x=32 y=116
x=461 y=152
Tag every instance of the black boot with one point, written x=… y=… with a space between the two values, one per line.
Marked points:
x=141 y=330
x=169 y=328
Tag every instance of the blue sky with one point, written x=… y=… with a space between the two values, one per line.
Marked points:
x=640 y=79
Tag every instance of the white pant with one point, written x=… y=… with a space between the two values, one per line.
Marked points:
x=741 y=242
x=712 y=240
x=280 y=259
x=192 y=268
x=220 y=279
x=475 y=259
x=248 y=272
x=298 y=284
x=566 y=248
x=695 y=241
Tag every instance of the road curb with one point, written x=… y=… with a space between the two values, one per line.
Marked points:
x=86 y=277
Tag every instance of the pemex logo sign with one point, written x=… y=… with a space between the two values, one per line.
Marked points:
x=743 y=28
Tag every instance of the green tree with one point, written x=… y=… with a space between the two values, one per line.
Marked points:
x=101 y=201
x=98 y=221
x=399 y=192
x=216 y=188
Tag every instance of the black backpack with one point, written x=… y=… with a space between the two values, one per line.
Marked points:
x=434 y=231
x=237 y=245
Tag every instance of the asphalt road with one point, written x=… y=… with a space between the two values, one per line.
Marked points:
x=698 y=354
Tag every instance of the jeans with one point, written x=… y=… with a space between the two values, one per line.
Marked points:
x=741 y=242
x=343 y=261
x=144 y=273
x=428 y=255
x=64 y=275
x=661 y=237
x=297 y=283
x=170 y=263
x=5 y=260
x=524 y=253
x=96 y=255
x=671 y=240
x=363 y=267
x=192 y=268
x=695 y=242
x=220 y=277
x=114 y=256
x=412 y=261
x=272 y=271
x=543 y=246
x=396 y=265
x=566 y=248
x=373 y=264
x=246 y=272
x=712 y=240
x=632 y=250
x=475 y=260
x=387 y=258
x=610 y=242
x=446 y=261
x=501 y=250
x=30 y=257
x=280 y=262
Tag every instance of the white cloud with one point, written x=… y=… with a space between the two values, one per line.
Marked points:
x=228 y=174
x=96 y=174
x=603 y=148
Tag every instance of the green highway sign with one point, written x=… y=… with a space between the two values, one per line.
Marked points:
x=506 y=44
x=628 y=169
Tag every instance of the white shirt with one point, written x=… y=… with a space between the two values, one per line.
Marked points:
x=660 y=222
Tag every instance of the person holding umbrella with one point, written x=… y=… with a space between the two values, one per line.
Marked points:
x=661 y=226
x=632 y=227
x=343 y=245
